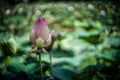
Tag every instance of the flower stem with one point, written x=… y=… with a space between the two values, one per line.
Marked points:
x=8 y=60
x=51 y=66
x=40 y=62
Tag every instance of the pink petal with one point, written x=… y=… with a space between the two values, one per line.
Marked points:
x=41 y=29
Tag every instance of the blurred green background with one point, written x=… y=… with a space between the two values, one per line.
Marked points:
x=87 y=39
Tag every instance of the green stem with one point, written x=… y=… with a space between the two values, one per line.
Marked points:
x=40 y=62
x=8 y=60
x=51 y=66
x=50 y=56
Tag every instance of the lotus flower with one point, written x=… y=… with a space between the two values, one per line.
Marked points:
x=40 y=35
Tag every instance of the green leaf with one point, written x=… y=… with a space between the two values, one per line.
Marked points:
x=80 y=24
x=112 y=41
x=96 y=24
x=64 y=74
x=88 y=73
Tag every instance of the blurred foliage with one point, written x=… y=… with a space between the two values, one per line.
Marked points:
x=88 y=48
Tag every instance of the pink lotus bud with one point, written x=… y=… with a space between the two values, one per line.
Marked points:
x=40 y=36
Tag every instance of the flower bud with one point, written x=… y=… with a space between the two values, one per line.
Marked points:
x=13 y=45
x=8 y=47
x=40 y=35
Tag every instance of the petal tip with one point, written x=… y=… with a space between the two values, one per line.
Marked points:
x=41 y=20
